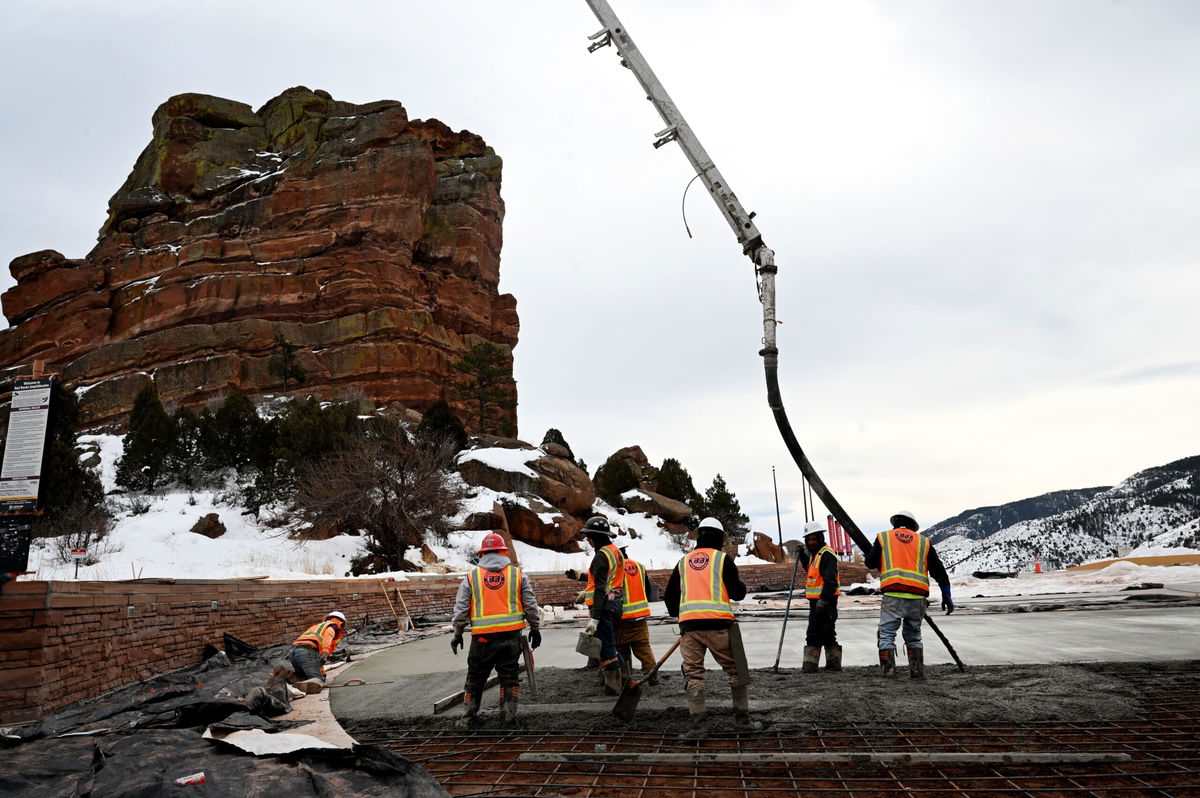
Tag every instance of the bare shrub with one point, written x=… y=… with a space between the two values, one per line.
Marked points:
x=78 y=525
x=397 y=491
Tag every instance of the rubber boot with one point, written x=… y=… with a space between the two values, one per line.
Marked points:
x=653 y=680
x=508 y=706
x=887 y=662
x=741 y=710
x=697 y=714
x=610 y=671
x=833 y=658
x=812 y=659
x=916 y=663
x=471 y=701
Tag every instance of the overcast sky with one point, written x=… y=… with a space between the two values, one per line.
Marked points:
x=984 y=213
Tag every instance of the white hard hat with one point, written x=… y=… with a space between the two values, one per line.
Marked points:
x=338 y=615
x=904 y=515
x=815 y=528
x=711 y=523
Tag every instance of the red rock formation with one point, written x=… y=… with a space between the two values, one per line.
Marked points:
x=368 y=240
x=766 y=549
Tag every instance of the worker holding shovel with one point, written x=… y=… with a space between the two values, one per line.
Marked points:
x=822 y=591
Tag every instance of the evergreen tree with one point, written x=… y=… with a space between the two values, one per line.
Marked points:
x=283 y=364
x=554 y=436
x=148 y=444
x=66 y=483
x=612 y=479
x=236 y=433
x=720 y=503
x=190 y=461
x=486 y=381
x=675 y=482
x=439 y=425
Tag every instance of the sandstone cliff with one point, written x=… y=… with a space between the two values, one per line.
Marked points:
x=369 y=241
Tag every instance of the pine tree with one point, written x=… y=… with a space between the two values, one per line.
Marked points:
x=148 y=444
x=190 y=461
x=66 y=482
x=612 y=479
x=440 y=426
x=720 y=503
x=236 y=428
x=283 y=364
x=486 y=380
x=554 y=436
x=675 y=482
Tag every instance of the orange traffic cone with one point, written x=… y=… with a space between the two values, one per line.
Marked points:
x=1037 y=566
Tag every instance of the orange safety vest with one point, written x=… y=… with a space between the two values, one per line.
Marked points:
x=905 y=566
x=702 y=593
x=636 y=603
x=616 y=576
x=816 y=583
x=316 y=637
x=496 y=604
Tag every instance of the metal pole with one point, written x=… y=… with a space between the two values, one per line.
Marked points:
x=787 y=611
x=778 y=521
x=962 y=668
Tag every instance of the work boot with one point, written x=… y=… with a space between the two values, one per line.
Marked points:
x=610 y=672
x=310 y=686
x=471 y=701
x=282 y=673
x=812 y=659
x=887 y=662
x=508 y=706
x=833 y=658
x=697 y=714
x=741 y=710
x=916 y=663
x=653 y=677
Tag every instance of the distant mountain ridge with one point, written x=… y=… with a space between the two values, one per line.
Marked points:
x=1155 y=509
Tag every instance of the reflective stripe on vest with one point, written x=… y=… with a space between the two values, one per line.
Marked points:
x=636 y=603
x=496 y=604
x=905 y=562
x=314 y=637
x=702 y=593
x=816 y=582
x=616 y=564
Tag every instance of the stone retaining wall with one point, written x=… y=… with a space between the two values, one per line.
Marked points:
x=62 y=642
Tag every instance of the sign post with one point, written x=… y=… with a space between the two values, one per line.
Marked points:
x=21 y=471
x=77 y=555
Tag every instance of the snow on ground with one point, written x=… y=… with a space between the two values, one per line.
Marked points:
x=1115 y=576
x=504 y=459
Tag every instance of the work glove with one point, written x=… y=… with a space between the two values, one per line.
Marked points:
x=456 y=643
x=821 y=607
x=582 y=596
x=535 y=638
x=947 y=602
x=573 y=574
x=591 y=627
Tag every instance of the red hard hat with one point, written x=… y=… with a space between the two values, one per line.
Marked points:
x=492 y=542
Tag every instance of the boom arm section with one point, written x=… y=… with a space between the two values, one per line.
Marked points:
x=615 y=34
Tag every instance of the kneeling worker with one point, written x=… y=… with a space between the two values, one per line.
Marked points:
x=700 y=593
x=311 y=650
x=822 y=591
x=498 y=600
x=905 y=560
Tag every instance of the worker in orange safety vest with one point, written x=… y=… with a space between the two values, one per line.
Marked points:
x=905 y=560
x=633 y=633
x=311 y=650
x=701 y=592
x=497 y=600
x=822 y=591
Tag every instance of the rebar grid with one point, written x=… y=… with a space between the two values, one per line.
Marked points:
x=1164 y=746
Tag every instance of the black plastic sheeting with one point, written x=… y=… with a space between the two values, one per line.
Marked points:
x=138 y=740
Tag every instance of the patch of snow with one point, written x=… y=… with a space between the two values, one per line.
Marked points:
x=513 y=460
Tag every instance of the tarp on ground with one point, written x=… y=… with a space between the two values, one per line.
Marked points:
x=138 y=740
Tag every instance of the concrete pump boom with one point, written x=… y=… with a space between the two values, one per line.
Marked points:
x=615 y=34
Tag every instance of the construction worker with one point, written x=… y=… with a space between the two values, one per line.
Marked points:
x=497 y=599
x=633 y=633
x=905 y=560
x=311 y=650
x=822 y=591
x=606 y=599
x=700 y=593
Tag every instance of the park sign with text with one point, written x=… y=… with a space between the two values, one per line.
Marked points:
x=21 y=473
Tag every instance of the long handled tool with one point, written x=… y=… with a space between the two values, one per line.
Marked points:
x=787 y=611
x=631 y=693
x=961 y=668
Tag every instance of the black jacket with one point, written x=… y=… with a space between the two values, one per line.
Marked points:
x=733 y=585
x=937 y=571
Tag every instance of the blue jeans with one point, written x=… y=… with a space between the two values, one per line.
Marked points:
x=896 y=611
x=306 y=662
x=606 y=629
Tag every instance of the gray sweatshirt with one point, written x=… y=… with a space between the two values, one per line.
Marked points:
x=493 y=561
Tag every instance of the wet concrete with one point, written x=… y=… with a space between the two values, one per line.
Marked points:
x=1008 y=678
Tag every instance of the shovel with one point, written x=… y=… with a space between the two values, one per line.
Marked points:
x=631 y=692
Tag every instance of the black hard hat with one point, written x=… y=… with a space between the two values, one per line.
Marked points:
x=598 y=525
